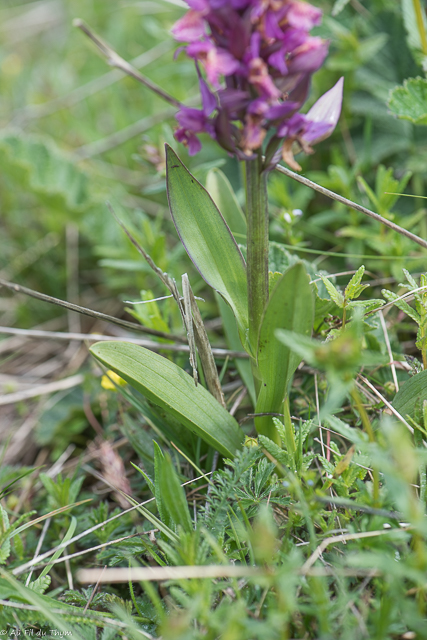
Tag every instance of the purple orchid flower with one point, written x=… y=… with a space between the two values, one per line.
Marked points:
x=258 y=57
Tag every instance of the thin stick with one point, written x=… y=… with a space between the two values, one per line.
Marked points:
x=238 y=400
x=386 y=402
x=94 y=591
x=390 y=355
x=342 y=538
x=137 y=574
x=316 y=391
x=87 y=312
x=39 y=546
x=205 y=352
x=42 y=389
x=352 y=205
x=97 y=337
x=114 y=60
x=189 y=325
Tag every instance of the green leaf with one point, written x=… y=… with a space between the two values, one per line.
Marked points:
x=173 y=495
x=409 y=101
x=4 y=527
x=232 y=334
x=159 y=459
x=224 y=197
x=413 y=392
x=290 y=307
x=207 y=238
x=412 y=27
x=336 y=296
x=172 y=389
x=39 y=167
x=402 y=305
x=354 y=288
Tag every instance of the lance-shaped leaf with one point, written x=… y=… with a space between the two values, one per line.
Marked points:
x=207 y=237
x=169 y=387
x=411 y=394
x=224 y=197
x=291 y=307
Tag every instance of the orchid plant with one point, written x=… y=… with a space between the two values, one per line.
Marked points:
x=254 y=60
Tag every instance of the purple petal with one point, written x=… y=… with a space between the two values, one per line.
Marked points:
x=199 y=5
x=280 y=111
x=326 y=111
x=191 y=119
x=190 y=27
x=303 y=15
x=208 y=98
x=309 y=56
x=277 y=60
x=188 y=139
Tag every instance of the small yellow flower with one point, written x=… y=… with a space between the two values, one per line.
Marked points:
x=250 y=442
x=111 y=377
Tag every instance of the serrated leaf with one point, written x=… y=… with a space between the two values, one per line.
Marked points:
x=169 y=387
x=409 y=101
x=40 y=584
x=207 y=238
x=410 y=279
x=290 y=307
x=173 y=496
x=278 y=454
x=402 y=305
x=224 y=197
x=411 y=393
x=336 y=296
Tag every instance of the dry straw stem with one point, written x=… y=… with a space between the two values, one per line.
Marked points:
x=387 y=404
x=97 y=337
x=42 y=389
x=343 y=538
x=211 y=572
x=114 y=60
x=351 y=204
x=17 y=288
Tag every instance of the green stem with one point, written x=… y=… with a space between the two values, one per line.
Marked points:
x=420 y=24
x=257 y=247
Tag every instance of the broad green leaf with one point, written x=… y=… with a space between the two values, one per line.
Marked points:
x=413 y=392
x=207 y=238
x=173 y=495
x=409 y=101
x=223 y=195
x=290 y=307
x=168 y=386
x=232 y=334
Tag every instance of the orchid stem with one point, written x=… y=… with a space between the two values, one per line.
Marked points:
x=257 y=247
